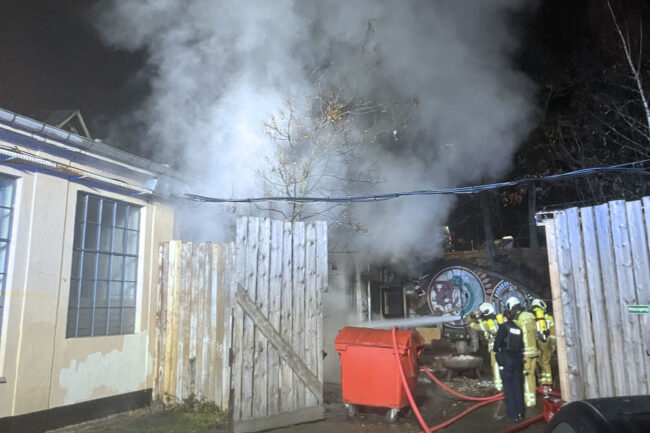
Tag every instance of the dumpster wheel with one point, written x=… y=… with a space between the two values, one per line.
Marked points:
x=391 y=415
x=350 y=410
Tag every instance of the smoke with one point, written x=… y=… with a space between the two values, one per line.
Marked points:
x=218 y=70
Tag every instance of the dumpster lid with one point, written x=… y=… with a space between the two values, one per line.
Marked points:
x=352 y=336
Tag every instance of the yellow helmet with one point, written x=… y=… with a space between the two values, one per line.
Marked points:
x=539 y=303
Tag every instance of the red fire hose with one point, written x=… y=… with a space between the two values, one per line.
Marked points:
x=456 y=393
x=482 y=401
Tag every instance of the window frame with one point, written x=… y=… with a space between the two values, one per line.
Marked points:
x=130 y=251
x=4 y=267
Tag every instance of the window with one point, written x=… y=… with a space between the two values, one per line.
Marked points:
x=104 y=267
x=7 y=191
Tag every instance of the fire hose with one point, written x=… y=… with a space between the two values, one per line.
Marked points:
x=482 y=401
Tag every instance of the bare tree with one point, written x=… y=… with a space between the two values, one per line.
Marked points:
x=323 y=146
x=635 y=73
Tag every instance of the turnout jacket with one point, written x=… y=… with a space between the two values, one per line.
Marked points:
x=489 y=326
x=526 y=321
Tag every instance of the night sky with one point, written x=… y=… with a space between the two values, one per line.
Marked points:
x=52 y=58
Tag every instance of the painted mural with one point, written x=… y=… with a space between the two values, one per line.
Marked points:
x=457 y=290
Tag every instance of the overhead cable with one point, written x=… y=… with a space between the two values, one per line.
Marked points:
x=631 y=168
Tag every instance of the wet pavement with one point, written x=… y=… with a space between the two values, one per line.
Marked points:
x=435 y=404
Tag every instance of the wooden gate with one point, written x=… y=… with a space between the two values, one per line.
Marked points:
x=277 y=341
x=241 y=324
x=600 y=280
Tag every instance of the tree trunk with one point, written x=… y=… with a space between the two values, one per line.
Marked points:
x=532 y=225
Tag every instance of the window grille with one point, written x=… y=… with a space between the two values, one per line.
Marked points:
x=7 y=192
x=104 y=267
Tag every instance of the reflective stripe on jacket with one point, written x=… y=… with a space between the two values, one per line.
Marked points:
x=526 y=321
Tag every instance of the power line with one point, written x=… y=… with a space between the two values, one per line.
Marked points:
x=631 y=167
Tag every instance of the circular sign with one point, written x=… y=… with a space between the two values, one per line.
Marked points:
x=504 y=290
x=455 y=291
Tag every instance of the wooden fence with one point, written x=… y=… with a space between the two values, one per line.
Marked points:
x=191 y=357
x=277 y=340
x=600 y=269
x=241 y=324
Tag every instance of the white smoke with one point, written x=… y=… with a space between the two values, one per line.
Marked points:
x=221 y=68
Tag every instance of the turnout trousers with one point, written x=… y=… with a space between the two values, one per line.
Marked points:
x=544 y=376
x=530 y=396
x=495 y=372
x=511 y=376
x=495 y=367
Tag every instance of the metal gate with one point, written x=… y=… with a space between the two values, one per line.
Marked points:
x=277 y=341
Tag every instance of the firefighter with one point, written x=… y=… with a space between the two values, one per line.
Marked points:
x=487 y=322
x=526 y=321
x=545 y=341
x=508 y=348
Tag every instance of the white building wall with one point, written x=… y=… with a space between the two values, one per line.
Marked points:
x=42 y=368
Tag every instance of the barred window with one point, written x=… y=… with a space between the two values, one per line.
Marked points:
x=7 y=192
x=104 y=267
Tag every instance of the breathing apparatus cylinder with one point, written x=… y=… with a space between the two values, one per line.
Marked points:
x=540 y=322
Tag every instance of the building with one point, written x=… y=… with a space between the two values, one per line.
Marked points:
x=79 y=233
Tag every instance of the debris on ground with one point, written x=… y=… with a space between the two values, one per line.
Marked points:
x=471 y=386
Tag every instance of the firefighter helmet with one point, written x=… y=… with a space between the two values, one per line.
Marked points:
x=512 y=302
x=539 y=303
x=486 y=308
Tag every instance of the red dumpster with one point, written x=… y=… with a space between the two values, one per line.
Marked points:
x=369 y=373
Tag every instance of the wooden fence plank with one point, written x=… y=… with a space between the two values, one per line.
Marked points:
x=201 y=336
x=161 y=319
x=610 y=292
x=581 y=296
x=627 y=295
x=576 y=383
x=191 y=335
x=310 y=307
x=287 y=400
x=299 y=304
x=281 y=420
x=226 y=316
x=182 y=383
x=645 y=294
x=171 y=331
x=261 y=299
x=248 y=348
x=597 y=303
x=552 y=246
x=322 y=271
x=641 y=272
x=211 y=362
x=237 y=343
x=275 y=311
